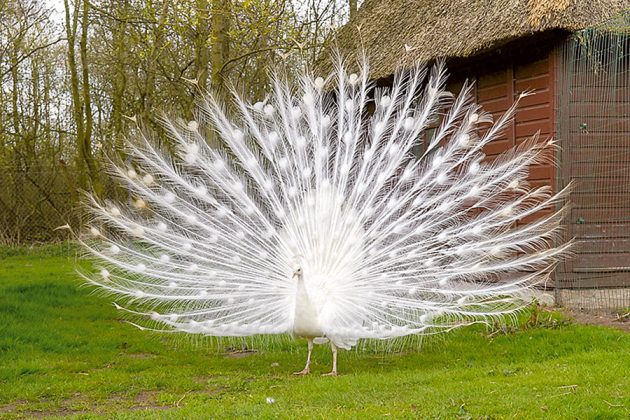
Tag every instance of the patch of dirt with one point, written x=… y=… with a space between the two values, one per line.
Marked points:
x=140 y=355
x=9 y=408
x=80 y=404
x=146 y=400
x=213 y=391
x=209 y=378
x=239 y=354
x=24 y=410
x=618 y=321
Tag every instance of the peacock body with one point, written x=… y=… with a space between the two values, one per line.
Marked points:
x=315 y=218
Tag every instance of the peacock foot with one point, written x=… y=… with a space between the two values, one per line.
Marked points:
x=303 y=372
x=333 y=373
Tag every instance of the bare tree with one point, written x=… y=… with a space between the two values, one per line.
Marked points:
x=81 y=95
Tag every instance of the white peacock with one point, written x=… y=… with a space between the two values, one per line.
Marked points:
x=316 y=219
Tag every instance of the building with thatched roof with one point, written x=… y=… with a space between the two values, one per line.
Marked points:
x=400 y=32
x=575 y=57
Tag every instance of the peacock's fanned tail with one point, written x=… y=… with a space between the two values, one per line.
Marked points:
x=322 y=176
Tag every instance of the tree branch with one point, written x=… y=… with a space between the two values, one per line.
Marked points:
x=30 y=53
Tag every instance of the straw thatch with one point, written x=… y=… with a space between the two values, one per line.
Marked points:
x=400 y=32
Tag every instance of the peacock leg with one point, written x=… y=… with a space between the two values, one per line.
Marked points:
x=334 y=368
x=307 y=368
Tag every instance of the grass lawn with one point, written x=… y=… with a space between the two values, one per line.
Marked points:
x=65 y=352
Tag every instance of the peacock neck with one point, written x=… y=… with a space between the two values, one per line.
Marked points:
x=301 y=288
x=306 y=318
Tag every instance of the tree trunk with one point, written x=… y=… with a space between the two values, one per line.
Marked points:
x=352 y=4
x=202 y=53
x=14 y=96
x=87 y=105
x=152 y=56
x=120 y=78
x=86 y=166
x=77 y=103
x=220 y=46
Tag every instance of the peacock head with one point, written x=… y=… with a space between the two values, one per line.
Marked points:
x=297 y=265
x=297 y=274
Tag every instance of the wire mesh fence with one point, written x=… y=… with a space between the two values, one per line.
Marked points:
x=36 y=205
x=593 y=127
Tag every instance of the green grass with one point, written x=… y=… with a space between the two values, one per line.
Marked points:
x=65 y=351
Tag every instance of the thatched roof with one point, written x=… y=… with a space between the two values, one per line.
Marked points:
x=400 y=32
